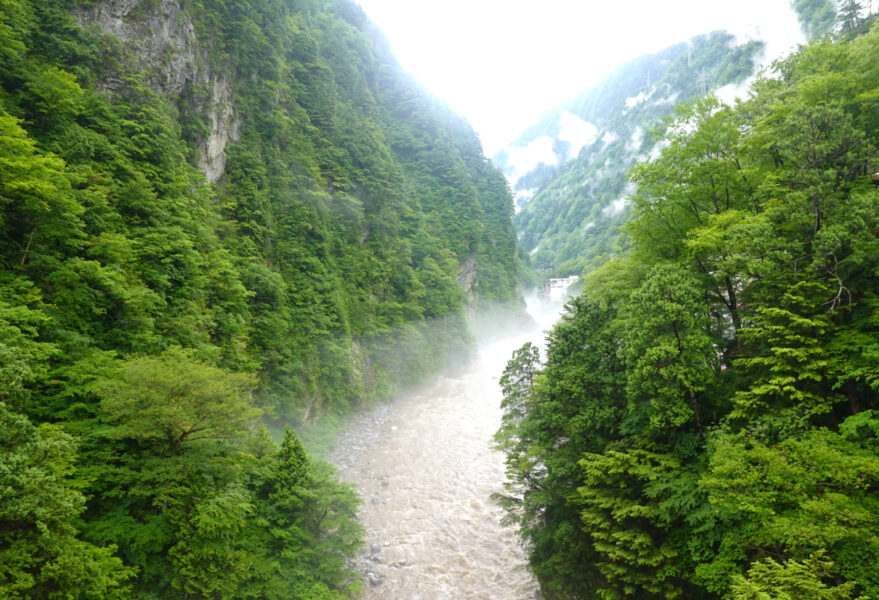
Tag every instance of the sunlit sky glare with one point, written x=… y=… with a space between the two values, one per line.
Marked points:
x=503 y=63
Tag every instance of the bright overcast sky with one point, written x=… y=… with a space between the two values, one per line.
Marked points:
x=503 y=63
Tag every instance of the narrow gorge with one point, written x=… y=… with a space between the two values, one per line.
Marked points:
x=263 y=321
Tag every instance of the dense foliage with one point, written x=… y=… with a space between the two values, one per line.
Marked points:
x=571 y=224
x=842 y=18
x=706 y=421
x=149 y=320
x=816 y=17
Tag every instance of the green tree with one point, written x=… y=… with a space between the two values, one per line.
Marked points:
x=807 y=580
x=293 y=464
x=807 y=492
x=849 y=18
x=306 y=530
x=739 y=333
x=632 y=504
x=155 y=316
x=175 y=402
x=41 y=553
x=700 y=177
x=517 y=385
x=38 y=212
x=516 y=436
x=573 y=405
x=175 y=427
x=24 y=359
x=210 y=558
x=816 y=16
x=792 y=368
x=671 y=357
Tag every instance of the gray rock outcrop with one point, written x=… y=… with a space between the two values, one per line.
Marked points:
x=163 y=43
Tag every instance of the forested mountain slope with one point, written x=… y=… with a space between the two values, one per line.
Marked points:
x=820 y=18
x=705 y=424
x=213 y=212
x=574 y=201
x=345 y=205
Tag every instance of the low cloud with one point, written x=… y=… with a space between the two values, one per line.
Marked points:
x=615 y=207
x=633 y=101
x=525 y=159
x=576 y=132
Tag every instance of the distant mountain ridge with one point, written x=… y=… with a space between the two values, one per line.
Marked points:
x=568 y=170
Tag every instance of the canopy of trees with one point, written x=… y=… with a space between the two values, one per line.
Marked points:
x=149 y=320
x=705 y=423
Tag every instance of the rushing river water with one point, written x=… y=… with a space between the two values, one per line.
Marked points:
x=425 y=467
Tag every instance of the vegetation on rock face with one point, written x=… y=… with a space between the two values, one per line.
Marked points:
x=148 y=319
x=705 y=422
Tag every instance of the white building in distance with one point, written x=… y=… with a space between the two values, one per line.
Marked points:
x=557 y=289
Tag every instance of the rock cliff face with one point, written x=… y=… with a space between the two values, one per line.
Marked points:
x=163 y=43
x=467 y=278
x=224 y=129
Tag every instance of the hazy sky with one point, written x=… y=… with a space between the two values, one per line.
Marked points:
x=503 y=63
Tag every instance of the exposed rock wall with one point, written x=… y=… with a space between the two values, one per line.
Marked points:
x=163 y=43
x=467 y=278
x=224 y=129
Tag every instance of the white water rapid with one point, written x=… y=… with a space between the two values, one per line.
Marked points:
x=425 y=467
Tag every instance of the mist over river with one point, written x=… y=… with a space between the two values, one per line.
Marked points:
x=425 y=467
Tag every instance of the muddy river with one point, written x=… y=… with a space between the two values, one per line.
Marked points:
x=425 y=467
